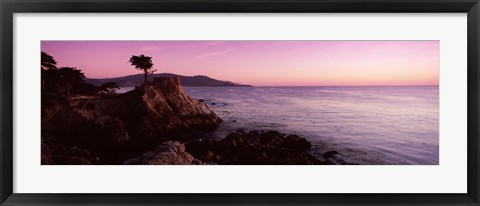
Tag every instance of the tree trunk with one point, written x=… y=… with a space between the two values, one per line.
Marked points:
x=146 y=75
x=68 y=91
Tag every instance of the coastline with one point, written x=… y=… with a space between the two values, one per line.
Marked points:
x=135 y=125
x=146 y=126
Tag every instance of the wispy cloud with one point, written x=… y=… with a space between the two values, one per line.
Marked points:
x=150 y=48
x=213 y=43
x=216 y=53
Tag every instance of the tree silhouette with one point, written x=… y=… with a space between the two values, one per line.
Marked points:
x=144 y=63
x=65 y=81
x=70 y=77
x=109 y=89
x=48 y=62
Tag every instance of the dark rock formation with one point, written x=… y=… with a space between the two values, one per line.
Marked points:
x=54 y=153
x=330 y=154
x=168 y=153
x=254 y=148
x=124 y=126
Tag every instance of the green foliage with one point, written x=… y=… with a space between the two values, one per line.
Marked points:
x=144 y=63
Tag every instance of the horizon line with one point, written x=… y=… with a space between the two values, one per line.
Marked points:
x=242 y=84
x=413 y=85
x=426 y=85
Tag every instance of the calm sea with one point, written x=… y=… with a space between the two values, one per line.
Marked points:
x=366 y=125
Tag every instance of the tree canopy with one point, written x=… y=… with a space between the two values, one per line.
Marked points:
x=143 y=63
x=48 y=62
x=109 y=89
x=70 y=74
x=64 y=82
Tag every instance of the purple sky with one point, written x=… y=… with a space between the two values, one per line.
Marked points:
x=262 y=63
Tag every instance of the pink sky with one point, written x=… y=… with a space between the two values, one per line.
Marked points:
x=262 y=63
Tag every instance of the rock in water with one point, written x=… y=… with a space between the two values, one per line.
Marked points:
x=124 y=126
x=168 y=153
x=254 y=148
x=330 y=154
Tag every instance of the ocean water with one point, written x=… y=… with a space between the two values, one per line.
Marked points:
x=366 y=125
x=125 y=89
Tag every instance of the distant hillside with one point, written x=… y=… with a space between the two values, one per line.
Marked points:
x=189 y=81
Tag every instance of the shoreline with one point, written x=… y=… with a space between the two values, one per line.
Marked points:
x=238 y=148
x=140 y=120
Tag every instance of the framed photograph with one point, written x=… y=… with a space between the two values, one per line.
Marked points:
x=239 y=102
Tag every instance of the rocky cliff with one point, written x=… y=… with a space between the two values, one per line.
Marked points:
x=117 y=128
x=255 y=148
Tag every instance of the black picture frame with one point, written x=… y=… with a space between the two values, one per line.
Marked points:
x=10 y=7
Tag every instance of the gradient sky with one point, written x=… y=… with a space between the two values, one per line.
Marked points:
x=262 y=63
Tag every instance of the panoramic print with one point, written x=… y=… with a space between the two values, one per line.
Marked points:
x=239 y=102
